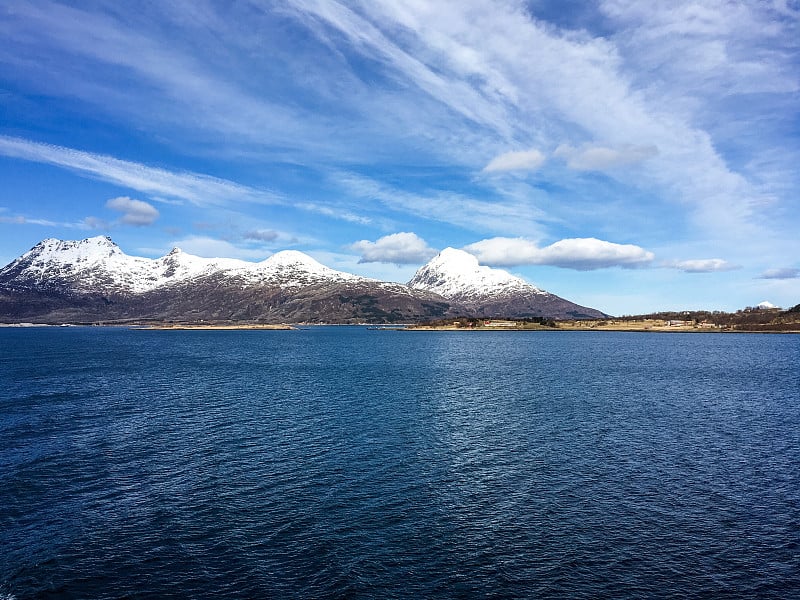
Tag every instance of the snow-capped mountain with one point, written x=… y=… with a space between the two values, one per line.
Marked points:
x=98 y=264
x=94 y=280
x=457 y=276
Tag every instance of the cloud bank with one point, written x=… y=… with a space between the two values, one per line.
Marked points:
x=582 y=254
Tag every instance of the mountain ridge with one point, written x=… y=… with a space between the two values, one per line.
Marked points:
x=94 y=280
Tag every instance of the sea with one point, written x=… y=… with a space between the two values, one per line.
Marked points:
x=343 y=462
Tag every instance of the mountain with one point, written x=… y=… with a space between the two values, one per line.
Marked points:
x=456 y=275
x=484 y=291
x=94 y=280
x=98 y=265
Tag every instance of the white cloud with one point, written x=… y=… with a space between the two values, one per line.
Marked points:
x=785 y=273
x=182 y=86
x=600 y=158
x=527 y=160
x=397 y=248
x=582 y=254
x=373 y=38
x=710 y=47
x=335 y=213
x=134 y=212
x=193 y=187
x=702 y=265
x=578 y=87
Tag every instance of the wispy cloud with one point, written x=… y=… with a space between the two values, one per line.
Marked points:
x=334 y=212
x=23 y=220
x=366 y=36
x=578 y=90
x=505 y=214
x=784 y=273
x=600 y=158
x=185 y=89
x=708 y=47
x=703 y=265
x=202 y=190
x=524 y=160
x=582 y=254
x=397 y=248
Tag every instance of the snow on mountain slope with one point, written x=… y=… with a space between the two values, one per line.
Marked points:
x=98 y=264
x=60 y=281
x=178 y=265
x=292 y=269
x=456 y=275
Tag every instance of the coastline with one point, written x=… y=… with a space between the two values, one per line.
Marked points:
x=160 y=326
x=645 y=326
x=212 y=327
x=619 y=326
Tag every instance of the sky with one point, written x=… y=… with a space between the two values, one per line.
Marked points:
x=628 y=156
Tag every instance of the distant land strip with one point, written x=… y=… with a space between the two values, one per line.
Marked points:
x=749 y=320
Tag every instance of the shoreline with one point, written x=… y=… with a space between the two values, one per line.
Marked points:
x=609 y=328
x=583 y=326
x=211 y=327
x=159 y=326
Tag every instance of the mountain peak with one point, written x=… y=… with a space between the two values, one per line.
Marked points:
x=99 y=240
x=452 y=258
x=89 y=249
x=292 y=269
x=286 y=258
x=457 y=275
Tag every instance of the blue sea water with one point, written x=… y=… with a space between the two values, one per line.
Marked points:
x=337 y=462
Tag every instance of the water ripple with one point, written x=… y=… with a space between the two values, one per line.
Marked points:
x=342 y=463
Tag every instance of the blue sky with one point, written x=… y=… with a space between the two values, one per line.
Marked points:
x=628 y=156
